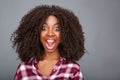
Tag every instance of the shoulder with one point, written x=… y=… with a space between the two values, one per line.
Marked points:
x=73 y=69
x=71 y=64
x=25 y=65
x=24 y=69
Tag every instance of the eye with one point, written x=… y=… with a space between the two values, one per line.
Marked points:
x=57 y=28
x=44 y=28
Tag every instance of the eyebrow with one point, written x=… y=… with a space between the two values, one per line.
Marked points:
x=54 y=24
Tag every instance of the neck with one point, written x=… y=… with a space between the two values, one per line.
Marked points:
x=52 y=56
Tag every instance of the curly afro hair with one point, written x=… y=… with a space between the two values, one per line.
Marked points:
x=26 y=38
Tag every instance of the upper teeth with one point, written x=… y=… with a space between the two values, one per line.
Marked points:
x=50 y=40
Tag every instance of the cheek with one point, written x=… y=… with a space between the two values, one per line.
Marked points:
x=58 y=36
x=42 y=34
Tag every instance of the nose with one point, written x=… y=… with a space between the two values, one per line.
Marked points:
x=50 y=33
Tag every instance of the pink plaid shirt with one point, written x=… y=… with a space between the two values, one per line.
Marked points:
x=63 y=70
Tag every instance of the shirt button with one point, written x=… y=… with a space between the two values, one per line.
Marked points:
x=54 y=70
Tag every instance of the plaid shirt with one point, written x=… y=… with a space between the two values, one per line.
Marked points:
x=63 y=70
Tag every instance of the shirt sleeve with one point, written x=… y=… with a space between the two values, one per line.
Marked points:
x=77 y=74
x=20 y=72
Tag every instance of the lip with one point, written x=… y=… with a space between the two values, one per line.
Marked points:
x=50 y=43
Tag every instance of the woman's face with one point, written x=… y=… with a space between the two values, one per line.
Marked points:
x=50 y=34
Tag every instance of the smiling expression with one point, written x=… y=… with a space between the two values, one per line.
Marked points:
x=50 y=34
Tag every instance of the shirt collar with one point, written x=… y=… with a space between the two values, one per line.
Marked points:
x=35 y=62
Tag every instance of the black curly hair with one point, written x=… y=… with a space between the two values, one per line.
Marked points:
x=26 y=39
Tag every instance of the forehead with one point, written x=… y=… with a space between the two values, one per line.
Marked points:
x=51 y=18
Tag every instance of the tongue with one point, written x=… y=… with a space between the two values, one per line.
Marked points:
x=50 y=44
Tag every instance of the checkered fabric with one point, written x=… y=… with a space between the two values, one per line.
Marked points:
x=63 y=70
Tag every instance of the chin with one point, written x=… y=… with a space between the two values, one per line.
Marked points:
x=51 y=50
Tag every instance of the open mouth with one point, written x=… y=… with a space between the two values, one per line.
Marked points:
x=50 y=44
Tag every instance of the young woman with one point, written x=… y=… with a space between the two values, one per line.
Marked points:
x=49 y=41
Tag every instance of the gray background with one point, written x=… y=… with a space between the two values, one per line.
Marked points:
x=101 y=23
